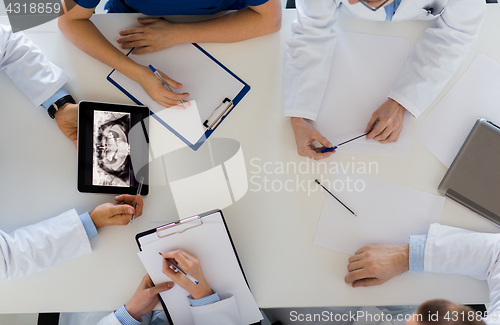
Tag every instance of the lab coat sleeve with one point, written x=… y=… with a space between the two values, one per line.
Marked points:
x=224 y=312
x=438 y=54
x=28 y=68
x=308 y=58
x=452 y=250
x=42 y=245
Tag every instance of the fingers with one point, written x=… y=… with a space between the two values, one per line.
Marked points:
x=131 y=200
x=147 y=21
x=170 y=81
x=130 y=38
x=179 y=257
x=175 y=276
x=378 y=129
x=315 y=153
x=121 y=214
x=367 y=282
x=357 y=275
x=130 y=31
x=393 y=137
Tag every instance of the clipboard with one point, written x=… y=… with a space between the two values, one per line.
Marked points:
x=210 y=226
x=213 y=89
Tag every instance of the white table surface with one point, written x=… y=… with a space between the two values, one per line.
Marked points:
x=272 y=231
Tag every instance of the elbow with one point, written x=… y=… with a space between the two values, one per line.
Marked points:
x=273 y=24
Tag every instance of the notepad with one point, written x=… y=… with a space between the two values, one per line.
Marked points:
x=363 y=72
x=387 y=213
x=208 y=82
x=211 y=243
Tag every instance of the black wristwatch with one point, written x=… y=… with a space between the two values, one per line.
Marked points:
x=52 y=110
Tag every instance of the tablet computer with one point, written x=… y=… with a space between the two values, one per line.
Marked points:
x=113 y=148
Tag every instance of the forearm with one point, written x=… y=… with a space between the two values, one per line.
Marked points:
x=233 y=27
x=87 y=37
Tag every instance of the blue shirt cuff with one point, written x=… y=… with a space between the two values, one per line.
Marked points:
x=204 y=301
x=125 y=318
x=54 y=98
x=417 y=253
x=88 y=224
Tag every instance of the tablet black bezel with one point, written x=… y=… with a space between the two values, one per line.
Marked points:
x=85 y=144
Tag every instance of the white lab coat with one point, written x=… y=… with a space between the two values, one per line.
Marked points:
x=224 y=312
x=452 y=250
x=42 y=245
x=28 y=68
x=430 y=66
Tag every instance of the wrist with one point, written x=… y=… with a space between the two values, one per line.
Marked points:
x=94 y=217
x=403 y=257
x=132 y=312
x=202 y=292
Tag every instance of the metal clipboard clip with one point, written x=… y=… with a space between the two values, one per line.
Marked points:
x=223 y=108
x=179 y=227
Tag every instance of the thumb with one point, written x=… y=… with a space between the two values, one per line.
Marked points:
x=162 y=287
x=371 y=123
x=124 y=209
x=324 y=141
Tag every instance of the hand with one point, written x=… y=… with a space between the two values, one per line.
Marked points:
x=145 y=297
x=67 y=120
x=155 y=89
x=390 y=116
x=154 y=35
x=108 y=214
x=191 y=266
x=376 y=264
x=305 y=134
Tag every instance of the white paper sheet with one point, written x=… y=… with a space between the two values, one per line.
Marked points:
x=387 y=213
x=364 y=70
x=197 y=72
x=475 y=95
x=211 y=245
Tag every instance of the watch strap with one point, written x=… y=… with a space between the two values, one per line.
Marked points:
x=52 y=110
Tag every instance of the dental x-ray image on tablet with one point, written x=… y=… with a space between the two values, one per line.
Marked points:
x=113 y=148
x=111 y=151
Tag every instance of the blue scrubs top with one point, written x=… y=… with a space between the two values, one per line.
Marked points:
x=172 y=7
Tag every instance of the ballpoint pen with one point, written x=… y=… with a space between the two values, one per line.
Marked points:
x=139 y=188
x=333 y=148
x=157 y=74
x=345 y=206
x=179 y=268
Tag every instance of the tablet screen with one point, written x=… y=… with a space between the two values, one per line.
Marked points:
x=111 y=165
x=112 y=148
